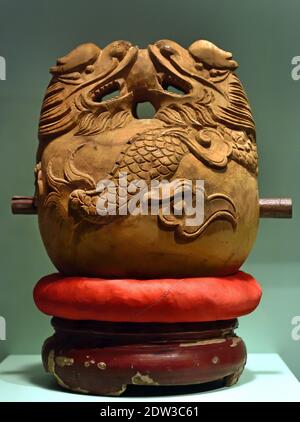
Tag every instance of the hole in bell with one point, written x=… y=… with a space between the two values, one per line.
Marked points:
x=144 y=110
x=106 y=93
x=174 y=89
x=111 y=95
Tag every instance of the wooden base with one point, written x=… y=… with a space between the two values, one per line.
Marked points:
x=104 y=358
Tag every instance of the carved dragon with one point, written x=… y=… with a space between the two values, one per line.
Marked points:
x=208 y=117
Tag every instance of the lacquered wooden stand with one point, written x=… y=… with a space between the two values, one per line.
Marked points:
x=104 y=358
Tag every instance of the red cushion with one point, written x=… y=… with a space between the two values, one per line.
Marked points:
x=158 y=300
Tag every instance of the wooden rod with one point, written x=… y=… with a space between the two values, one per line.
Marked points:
x=23 y=205
x=275 y=208
x=269 y=207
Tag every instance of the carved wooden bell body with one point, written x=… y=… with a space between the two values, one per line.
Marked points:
x=204 y=131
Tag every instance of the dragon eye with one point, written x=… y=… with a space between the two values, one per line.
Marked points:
x=166 y=50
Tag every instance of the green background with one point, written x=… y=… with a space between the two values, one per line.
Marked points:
x=263 y=35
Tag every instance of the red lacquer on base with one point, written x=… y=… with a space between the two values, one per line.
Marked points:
x=105 y=358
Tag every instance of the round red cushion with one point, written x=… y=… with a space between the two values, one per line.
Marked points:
x=158 y=300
